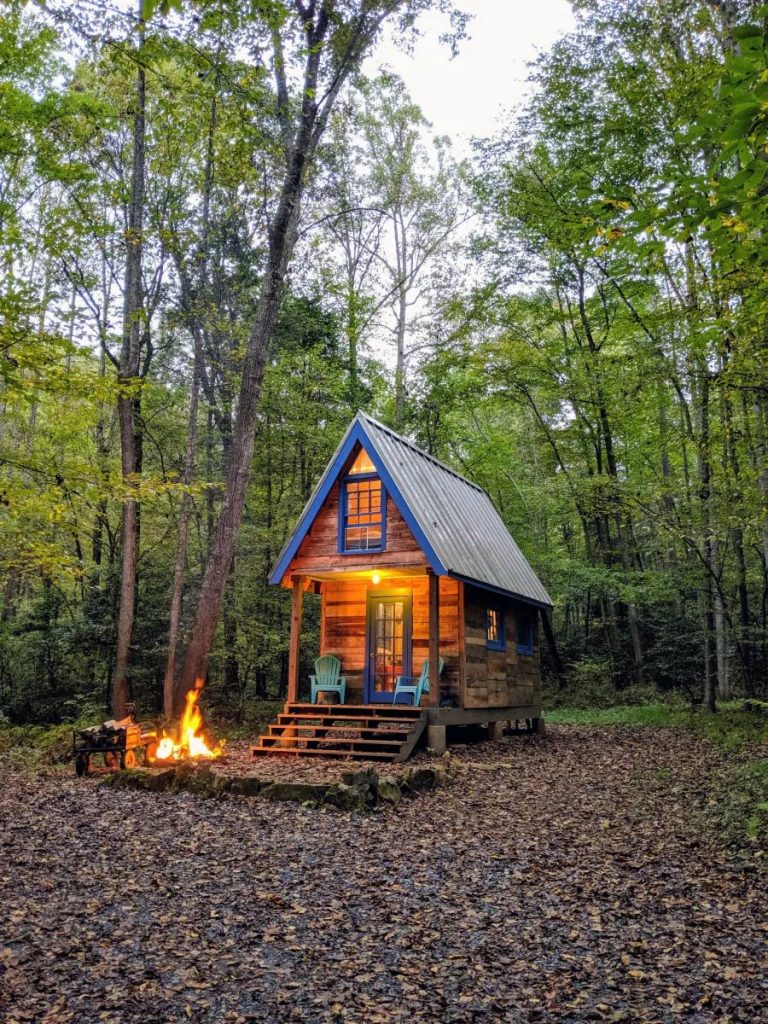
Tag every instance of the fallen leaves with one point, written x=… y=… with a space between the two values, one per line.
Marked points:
x=567 y=885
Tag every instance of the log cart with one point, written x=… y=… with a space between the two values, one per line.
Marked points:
x=121 y=744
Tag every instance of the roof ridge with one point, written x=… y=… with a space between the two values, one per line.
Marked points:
x=420 y=451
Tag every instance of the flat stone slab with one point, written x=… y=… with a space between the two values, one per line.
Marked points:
x=358 y=790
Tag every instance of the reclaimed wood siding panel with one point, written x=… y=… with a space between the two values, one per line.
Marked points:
x=449 y=645
x=319 y=549
x=499 y=679
x=344 y=628
x=344 y=632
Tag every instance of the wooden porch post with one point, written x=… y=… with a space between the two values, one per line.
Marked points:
x=461 y=643
x=434 y=638
x=297 y=600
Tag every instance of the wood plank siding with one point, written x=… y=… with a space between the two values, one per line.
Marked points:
x=344 y=615
x=499 y=679
x=319 y=552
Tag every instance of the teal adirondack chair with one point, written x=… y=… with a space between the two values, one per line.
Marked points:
x=416 y=686
x=327 y=678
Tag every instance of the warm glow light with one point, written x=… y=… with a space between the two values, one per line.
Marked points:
x=376 y=578
x=192 y=742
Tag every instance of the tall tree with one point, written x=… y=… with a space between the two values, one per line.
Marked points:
x=332 y=40
x=129 y=380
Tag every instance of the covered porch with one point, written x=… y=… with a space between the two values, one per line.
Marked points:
x=383 y=624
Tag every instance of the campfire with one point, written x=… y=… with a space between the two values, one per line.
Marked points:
x=191 y=741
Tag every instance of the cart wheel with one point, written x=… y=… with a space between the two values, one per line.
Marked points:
x=82 y=765
x=110 y=759
x=128 y=759
x=150 y=753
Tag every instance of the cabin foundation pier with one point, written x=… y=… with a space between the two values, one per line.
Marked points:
x=437 y=738
x=496 y=730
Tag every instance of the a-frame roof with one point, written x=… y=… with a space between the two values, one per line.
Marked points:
x=453 y=520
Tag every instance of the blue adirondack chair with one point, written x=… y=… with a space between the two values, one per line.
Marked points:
x=414 y=685
x=327 y=678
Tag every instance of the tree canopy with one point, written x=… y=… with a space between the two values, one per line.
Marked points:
x=219 y=239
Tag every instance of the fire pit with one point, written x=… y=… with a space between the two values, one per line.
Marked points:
x=120 y=744
x=191 y=743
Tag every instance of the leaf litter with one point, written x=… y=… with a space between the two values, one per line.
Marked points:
x=575 y=882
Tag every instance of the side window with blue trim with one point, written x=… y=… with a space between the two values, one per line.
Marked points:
x=524 y=634
x=363 y=511
x=494 y=629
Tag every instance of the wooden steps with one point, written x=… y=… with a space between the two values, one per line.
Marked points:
x=367 y=732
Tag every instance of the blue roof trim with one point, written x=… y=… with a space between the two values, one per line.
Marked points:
x=356 y=435
x=498 y=590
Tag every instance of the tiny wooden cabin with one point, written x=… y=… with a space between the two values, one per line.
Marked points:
x=411 y=561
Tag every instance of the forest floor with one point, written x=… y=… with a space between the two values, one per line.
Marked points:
x=582 y=876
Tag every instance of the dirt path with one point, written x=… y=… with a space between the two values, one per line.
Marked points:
x=572 y=883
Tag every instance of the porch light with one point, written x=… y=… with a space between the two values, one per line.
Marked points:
x=376 y=579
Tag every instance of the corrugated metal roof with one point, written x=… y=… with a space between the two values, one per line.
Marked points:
x=455 y=521
x=457 y=517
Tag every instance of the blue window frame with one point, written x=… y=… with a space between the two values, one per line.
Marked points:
x=494 y=629
x=524 y=634
x=363 y=514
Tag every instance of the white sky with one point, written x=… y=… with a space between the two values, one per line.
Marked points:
x=464 y=97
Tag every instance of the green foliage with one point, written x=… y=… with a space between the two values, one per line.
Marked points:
x=615 y=408
x=33 y=748
x=739 y=809
x=731 y=727
x=596 y=359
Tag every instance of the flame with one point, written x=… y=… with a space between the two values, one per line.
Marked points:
x=191 y=742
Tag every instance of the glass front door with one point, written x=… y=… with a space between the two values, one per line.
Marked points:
x=388 y=646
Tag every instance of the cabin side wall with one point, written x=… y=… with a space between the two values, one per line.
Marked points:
x=499 y=679
x=344 y=629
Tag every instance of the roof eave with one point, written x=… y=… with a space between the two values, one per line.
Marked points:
x=482 y=585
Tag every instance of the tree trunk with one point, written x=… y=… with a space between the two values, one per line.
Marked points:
x=401 y=243
x=181 y=546
x=282 y=239
x=732 y=464
x=353 y=344
x=709 y=555
x=128 y=379
x=721 y=639
x=761 y=451
x=191 y=302
x=348 y=44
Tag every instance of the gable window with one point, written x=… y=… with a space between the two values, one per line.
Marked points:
x=362 y=464
x=494 y=629
x=362 y=524
x=524 y=634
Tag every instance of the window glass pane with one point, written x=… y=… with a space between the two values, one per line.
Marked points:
x=362 y=464
x=363 y=515
x=494 y=628
x=354 y=539
x=493 y=625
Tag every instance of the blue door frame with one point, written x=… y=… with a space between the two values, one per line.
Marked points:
x=397 y=666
